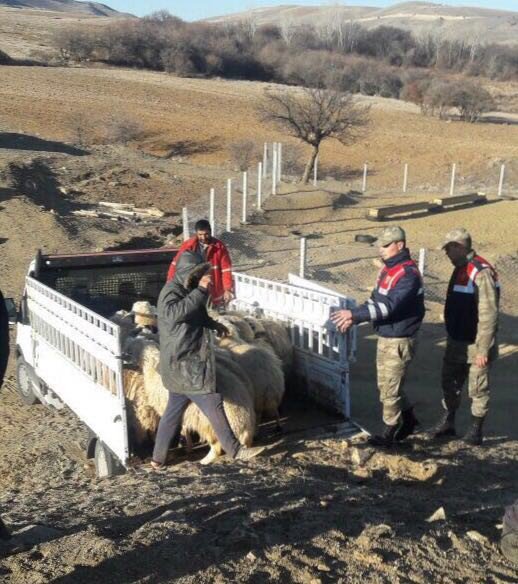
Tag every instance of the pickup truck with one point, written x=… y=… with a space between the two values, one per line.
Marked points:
x=68 y=351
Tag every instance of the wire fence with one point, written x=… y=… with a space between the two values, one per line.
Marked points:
x=238 y=202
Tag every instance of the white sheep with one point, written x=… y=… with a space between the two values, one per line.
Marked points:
x=231 y=382
x=264 y=370
x=238 y=402
x=142 y=418
x=276 y=335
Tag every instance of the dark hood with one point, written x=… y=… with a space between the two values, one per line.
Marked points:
x=189 y=269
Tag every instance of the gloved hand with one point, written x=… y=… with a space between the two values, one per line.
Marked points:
x=222 y=330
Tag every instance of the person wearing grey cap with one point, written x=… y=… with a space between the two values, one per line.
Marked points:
x=396 y=309
x=471 y=318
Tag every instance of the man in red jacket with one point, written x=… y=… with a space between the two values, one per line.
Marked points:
x=215 y=252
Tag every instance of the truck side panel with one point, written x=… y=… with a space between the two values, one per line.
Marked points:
x=77 y=354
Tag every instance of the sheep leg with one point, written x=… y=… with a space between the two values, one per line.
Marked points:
x=187 y=438
x=211 y=456
x=278 y=425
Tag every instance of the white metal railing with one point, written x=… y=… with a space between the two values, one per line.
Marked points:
x=293 y=302
x=322 y=354
x=86 y=339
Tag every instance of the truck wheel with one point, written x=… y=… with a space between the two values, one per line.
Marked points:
x=24 y=383
x=106 y=465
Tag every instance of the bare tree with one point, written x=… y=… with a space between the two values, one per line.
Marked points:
x=314 y=115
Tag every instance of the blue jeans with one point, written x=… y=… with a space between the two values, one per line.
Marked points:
x=211 y=404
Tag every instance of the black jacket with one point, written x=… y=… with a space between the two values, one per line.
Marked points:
x=4 y=338
x=186 y=354
x=396 y=305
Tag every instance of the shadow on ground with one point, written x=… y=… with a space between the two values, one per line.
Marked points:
x=14 y=141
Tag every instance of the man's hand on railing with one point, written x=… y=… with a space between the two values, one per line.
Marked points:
x=342 y=319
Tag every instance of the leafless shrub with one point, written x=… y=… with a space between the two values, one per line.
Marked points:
x=121 y=130
x=81 y=130
x=244 y=154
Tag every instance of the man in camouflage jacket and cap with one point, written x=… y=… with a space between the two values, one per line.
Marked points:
x=471 y=318
x=396 y=309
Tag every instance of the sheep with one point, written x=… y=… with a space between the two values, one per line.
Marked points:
x=232 y=383
x=142 y=418
x=264 y=370
x=276 y=335
x=236 y=325
x=145 y=393
x=238 y=403
x=140 y=322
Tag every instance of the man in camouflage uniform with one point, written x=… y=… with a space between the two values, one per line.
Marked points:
x=471 y=317
x=396 y=309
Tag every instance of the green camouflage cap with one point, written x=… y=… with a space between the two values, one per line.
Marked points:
x=458 y=235
x=391 y=234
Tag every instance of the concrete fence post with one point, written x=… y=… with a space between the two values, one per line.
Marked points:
x=501 y=181
x=364 y=183
x=422 y=260
x=405 y=178
x=212 y=218
x=303 y=254
x=265 y=160
x=315 y=172
x=274 y=170
x=259 y=185
x=185 y=223
x=245 y=195
x=279 y=163
x=229 y=205
x=452 y=184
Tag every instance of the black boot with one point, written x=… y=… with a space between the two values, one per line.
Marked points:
x=446 y=426
x=4 y=532
x=474 y=434
x=408 y=424
x=386 y=439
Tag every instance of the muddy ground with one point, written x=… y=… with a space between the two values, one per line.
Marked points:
x=315 y=508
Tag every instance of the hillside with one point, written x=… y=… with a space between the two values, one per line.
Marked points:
x=484 y=25
x=91 y=8
x=29 y=32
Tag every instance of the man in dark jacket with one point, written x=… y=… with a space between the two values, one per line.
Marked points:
x=396 y=308
x=187 y=363
x=4 y=357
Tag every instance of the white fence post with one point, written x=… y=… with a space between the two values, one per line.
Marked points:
x=452 y=184
x=405 y=178
x=364 y=183
x=279 y=163
x=422 y=260
x=259 y=185
x=501 y=181
x=265 y=160
x=303 y=250
x=315 y=172
x=185 y=223
x=245 y=195
x=274 y=170
x=212 y=218
x=229 y=205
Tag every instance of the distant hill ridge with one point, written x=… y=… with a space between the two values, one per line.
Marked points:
x=421 y=18
x=90 y=8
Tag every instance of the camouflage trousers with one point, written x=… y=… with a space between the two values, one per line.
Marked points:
x=457 y=366
x=392 y=360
